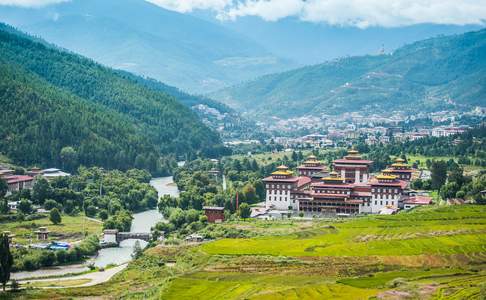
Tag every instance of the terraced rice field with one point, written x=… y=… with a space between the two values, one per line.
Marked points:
x=440 y=231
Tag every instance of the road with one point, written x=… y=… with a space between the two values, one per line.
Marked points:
x=94 y=277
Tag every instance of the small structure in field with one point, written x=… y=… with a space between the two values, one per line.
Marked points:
x=416 y=201
x=194 y=238
x=215 y=214
x=42 y=233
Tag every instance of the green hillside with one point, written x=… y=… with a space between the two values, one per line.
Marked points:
x=51 y=99
x=431 y=74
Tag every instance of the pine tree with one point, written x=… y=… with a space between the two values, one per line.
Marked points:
x=6 y=260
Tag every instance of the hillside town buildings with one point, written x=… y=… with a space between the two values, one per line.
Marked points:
x=349 y=189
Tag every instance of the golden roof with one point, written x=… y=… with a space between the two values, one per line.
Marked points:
x=282 y=167
x=399 y=160
x=333 y=176
x=284 y=173
x=399 y=165
x=386 y=177
x=311 y=157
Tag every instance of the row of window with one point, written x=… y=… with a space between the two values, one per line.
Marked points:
x=381 y=196
x=285 y=192
x=333 y=191
x=279 y=186
x=279 y=198
x=384 y=190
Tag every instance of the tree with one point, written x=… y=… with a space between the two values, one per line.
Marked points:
x=25 y=206
x=137 y=250
x=4 y=206
x=90 y=211
x=69 y=158
x=6 y=260
x=41 y=191
x=438 y=174
x=245 y=210
x=50 y=204
x=103 y=214
x=55 y=216
x=249 y=193
x=3 y=188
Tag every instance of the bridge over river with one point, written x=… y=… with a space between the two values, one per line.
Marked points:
x=113 y=236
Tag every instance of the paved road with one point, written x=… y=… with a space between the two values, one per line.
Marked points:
x=94 y=277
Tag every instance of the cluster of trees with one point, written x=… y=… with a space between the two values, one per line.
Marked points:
x=63 y=109
x=29 y=259
x=108 y=195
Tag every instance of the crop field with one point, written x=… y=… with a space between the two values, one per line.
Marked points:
x=429 y=253
x=445 y=230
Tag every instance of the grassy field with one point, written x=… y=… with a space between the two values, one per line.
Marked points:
x=422 y=159
x=439 y=231
x=57 y=283
x=71 y=228
x=429 y=253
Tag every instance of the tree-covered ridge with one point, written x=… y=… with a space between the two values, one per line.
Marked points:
x=432 y=74
x=53 y=99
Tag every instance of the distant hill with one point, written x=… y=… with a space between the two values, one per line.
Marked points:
x=52 y=99
x=447 y=71
x=226 y=121
x=142 y=38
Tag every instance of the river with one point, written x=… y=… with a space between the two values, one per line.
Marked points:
x=142 y=222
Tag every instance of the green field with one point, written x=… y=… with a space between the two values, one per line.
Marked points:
x=422 y=161
x=426 y=231
x=71 y=229
x=429 y=253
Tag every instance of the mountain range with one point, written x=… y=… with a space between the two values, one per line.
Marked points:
x=51 y=99
x=432 y=74
x=142 y=38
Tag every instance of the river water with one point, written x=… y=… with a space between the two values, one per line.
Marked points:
x=142 y=222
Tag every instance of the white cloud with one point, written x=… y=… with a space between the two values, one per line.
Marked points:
x=359 y=13
x=184 y=6
x=30 y=3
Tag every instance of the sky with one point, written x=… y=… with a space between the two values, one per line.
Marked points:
x=353 y=13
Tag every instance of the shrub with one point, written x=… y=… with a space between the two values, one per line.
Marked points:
x=55 y=216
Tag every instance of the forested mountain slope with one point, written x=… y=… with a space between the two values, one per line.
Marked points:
x=427 y=75
x=143 y=38
x=51 y=99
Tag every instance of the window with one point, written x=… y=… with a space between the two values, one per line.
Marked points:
x=381 y=202
x=386 y=203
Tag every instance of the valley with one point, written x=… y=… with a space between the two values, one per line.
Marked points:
x=157 y=149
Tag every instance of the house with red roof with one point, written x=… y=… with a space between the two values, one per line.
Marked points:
x=19 y=182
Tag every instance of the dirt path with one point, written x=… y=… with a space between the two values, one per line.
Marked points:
x=94 y=277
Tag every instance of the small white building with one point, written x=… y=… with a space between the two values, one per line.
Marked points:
x=52 y=173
